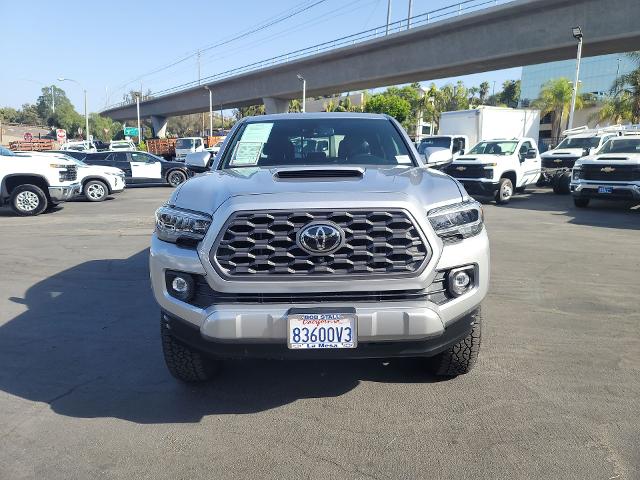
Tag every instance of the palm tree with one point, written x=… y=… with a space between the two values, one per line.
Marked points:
x=616 y=109
x=626 y=89
x=483 y=91
x=555 y=98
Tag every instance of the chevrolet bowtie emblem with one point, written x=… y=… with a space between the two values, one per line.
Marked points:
x=558 y=160
x=461 y=168
x=608 y=169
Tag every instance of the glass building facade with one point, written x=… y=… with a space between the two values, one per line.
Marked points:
x=596 y=74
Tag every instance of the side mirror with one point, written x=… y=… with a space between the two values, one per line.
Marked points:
x=198 y=162
x=531 y=153
x=586 y=151
x=461 y=152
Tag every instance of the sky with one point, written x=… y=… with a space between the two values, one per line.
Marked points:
x=112 y=47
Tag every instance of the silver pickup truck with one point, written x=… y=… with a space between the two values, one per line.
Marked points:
x=318 y=236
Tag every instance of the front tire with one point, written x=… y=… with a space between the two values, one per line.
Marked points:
x=185 y=363
x=28 y=200
x=562 y=184
x=176 y=177
x=96 y=191
x=581 y=202
x=505 y=191
x=462 y=356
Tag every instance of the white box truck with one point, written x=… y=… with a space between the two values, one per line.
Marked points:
x=489 y=123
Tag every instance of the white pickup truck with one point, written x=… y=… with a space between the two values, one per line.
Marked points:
x=498 y=168
x=31 y=183
x=187 y=145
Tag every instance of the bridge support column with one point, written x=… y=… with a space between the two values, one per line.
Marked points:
x=159 y=126
x=275 y=105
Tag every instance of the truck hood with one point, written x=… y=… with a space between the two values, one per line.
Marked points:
x=46 y=157
x=480 y=159
x=610 y=158
x=563 y=152
x=206 y=192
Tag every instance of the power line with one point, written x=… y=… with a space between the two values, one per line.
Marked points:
x=275 y=20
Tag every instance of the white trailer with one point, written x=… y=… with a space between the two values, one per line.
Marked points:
x=487 y=123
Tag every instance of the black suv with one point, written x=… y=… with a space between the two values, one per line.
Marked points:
x=141 y=167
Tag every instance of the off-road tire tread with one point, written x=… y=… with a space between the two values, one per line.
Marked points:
x=461 y=357
x=185 y=363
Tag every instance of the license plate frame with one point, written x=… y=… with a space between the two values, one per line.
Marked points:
x=605 y=190
x=324 y=320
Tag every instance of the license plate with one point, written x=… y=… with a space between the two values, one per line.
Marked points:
x=321 y=330
x=605 y=189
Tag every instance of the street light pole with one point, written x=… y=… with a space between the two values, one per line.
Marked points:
x=138 y=113
x=86 y=116
x=304 y=92
x=386 y=32
x=577 y=34
x=210 y=109
x=409 y=14
x=53 y=100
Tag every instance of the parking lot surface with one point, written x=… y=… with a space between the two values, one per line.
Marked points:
x=84 y=392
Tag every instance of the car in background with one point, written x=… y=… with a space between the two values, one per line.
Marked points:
x=187 y=145
x=98 y=182
x=122 y=145
x=215 y=149
x=70 y=153
x=79 y=146
x=142 y=167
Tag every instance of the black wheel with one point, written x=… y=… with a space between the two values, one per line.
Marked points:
x=96 y=191
x=505 y=191
x=561 y=184
x=28 y=200
x=461 y=357
x=176 y=177
x=185 y=363
x=581 y=202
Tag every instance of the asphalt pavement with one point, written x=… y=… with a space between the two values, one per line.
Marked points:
x=84 y=392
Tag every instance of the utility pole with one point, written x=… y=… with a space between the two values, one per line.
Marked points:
x=206 y=87
x=304 y=92
x=53 y=99
x=138 y=112
x=409 y=14
x=386 y=32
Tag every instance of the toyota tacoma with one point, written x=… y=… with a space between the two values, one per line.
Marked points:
x=355 y=251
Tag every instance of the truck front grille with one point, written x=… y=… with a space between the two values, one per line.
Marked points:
x=467 y=171
x=614 y=173
x=70 y=174
x=559 y=162
x=263 y=244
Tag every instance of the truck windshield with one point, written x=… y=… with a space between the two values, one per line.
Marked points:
x=623 y=145
x=579 y=142
x=185 y=143
x=443 y=142
x=494 y=148
x=317 y=142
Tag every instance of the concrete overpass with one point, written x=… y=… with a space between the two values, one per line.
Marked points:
x=522 y=32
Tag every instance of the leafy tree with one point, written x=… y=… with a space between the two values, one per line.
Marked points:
x=555 y=98
x=251 y=111
x=626 y=89
x=44 y=102
x=9 y=115
x=103 y=128
x=616 y=109
x=510 y=94
x=28 y=114
x=393 y=105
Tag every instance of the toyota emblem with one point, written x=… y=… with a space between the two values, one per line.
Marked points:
x=320 y=238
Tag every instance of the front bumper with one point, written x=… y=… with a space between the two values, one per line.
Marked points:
x=411 y=327
x=480 y=187
x=62 y=194
x=619 y=191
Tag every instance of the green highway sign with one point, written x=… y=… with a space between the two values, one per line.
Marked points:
x=130 y=131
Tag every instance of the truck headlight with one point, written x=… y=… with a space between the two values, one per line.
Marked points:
x=174 y=224
x=459 y=220
x=577 y=173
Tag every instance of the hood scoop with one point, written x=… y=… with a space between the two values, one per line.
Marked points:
x=319 y=173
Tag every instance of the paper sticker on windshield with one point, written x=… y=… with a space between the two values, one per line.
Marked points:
x=403 y=159
x=246 y=154
x=256 y=132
